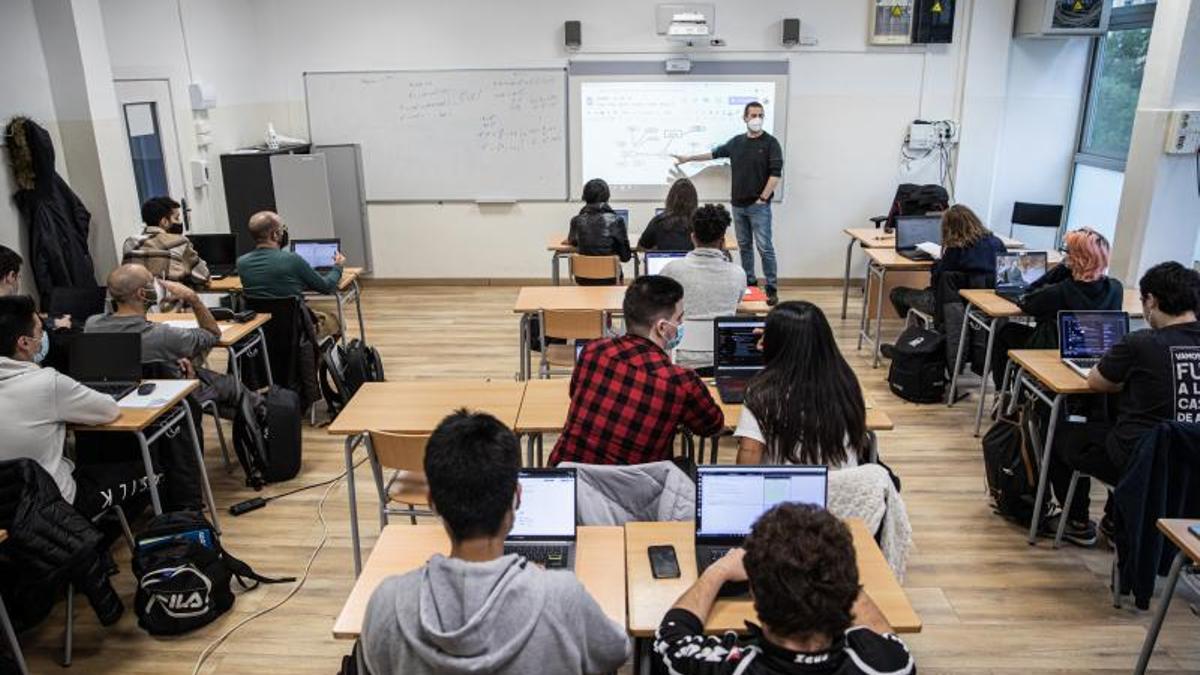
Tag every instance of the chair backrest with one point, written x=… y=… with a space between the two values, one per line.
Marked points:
x=572 y=324
x=288 y=324
x=595 y=267
x=1037 y=215
x=405 y=452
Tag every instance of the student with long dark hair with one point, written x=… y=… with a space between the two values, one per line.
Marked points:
x=806 y=406
x=671 y=230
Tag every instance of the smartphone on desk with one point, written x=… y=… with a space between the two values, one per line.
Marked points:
x=663 y=563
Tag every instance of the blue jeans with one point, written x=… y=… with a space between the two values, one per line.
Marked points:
x=753 y=227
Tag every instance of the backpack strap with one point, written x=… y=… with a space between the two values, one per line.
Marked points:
x=241 y=571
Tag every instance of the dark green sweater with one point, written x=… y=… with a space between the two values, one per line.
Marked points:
x=275 y=273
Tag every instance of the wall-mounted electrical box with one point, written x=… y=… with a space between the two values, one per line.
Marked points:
x=1062 y=18
x=1183 y=133
x=891 y=22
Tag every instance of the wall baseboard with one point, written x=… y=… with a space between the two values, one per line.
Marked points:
x=508 y=282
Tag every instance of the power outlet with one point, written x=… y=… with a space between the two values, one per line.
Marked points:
x=1183 y=133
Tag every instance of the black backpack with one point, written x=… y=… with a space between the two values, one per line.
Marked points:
x=1010 y=466
x=344 y=369
x=916 y=200
x=183 y=574
x=918 y=370
x=266 y=436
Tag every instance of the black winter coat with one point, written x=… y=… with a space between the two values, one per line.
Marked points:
x=597 y=230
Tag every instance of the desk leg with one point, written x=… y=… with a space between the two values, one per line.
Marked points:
x=873 y=439
x=958 y=357
x=337 y=297
x=641 y=656
x=362 y=327
x=554 y=274
x=351 y=443
x=266 y=358
x=11 y=637
x=862 y=319
x=232 y=352
x=1160 y=614
x=523 y=348
x=881 y=275
x=987 y=373
x=208 y=493
x=1044 y=470
x=637 y=268
x=151 y=477
x=846 y=278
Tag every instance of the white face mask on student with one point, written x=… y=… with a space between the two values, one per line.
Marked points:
x=754 y=124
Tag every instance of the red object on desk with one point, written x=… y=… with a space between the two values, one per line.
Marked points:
x=754 y=294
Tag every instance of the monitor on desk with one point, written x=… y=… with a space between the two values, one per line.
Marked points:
x=218 y=251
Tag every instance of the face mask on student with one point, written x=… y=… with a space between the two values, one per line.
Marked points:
x=283 y=237
x=674 y=342
x=43 y=349
x=755 y=124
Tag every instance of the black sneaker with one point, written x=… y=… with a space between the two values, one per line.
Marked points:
x=772 y=296
x=751 y=282
x=1080 y=534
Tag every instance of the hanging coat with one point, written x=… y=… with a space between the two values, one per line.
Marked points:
x=56 y=219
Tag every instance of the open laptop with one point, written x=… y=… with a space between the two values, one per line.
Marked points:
x=318 y=253
x=218 y=251
x=544 y=527
x=624 y=215
x=914 y=230
x=1084 y=337
x=657 y=260
x=736 y=357
x=1016 y=271
x=729 y=498
x=110 y=363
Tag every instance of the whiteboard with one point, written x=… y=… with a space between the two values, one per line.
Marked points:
x=464 y=135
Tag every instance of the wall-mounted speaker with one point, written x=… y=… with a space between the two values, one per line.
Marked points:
x=572 y=34
x=791 y=32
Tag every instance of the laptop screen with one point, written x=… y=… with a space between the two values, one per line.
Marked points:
x=1016 y=271
x=215 y=249
x=657 y=260
x=318 y=253
x=913 y=230
x=106 y=357
x=730 y=498
x=1084 y=335
x=623 y=214
x=735 y=344
x=547 y=505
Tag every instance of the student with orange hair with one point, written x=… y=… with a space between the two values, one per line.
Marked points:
x=1080 y=283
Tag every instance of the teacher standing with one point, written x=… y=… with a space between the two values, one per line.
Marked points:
x=756 y=160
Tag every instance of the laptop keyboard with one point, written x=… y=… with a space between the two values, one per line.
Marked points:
x=550 y=557
x=112 y=389
x=715 y=554
x=1086 y=363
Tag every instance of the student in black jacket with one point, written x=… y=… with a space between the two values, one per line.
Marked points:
x=598 y=230
x=671 y=230
x=967 y=247
x=1081 y=283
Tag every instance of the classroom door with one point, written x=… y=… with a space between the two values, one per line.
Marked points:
x=148 y=119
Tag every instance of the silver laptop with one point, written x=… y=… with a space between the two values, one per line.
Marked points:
x=544 y=527
x=730 y=498
x=318 y=253
x=657 y=260
x=736 y=358
x=1084 y=337
x=1017 y=271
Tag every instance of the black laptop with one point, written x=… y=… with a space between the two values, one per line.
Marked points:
x=318 y=253
x=913 y=230
x=110 y=363
x=1017 y=271
x=544 y=526
x=218 y=251
x=1085 y=337
x=730 y=498
x=736 y=357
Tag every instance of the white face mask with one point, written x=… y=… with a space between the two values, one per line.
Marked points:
x=755 y=124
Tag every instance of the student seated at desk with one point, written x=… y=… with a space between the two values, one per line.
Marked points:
x=805 y=406
x=271 y=271
x=10 y=284
x=598 y=230
x=671 y=230
x=479 y=610
x=627 y=398
x=39 y=403
x=1142 y=368
x=800 y=563
x=163 y=248
x=1080 y=283
x=712 y=286
x=967 y=247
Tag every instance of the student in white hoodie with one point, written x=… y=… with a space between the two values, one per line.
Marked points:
x=39 y=403
x=479 y=610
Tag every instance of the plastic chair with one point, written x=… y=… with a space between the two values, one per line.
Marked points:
x=566 y=324
x=1044 y=217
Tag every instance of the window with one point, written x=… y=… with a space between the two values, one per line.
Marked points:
x=1118 y=59
x=145 y=146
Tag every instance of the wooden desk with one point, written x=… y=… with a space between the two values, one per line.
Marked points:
x=166 y=417
x=555 y=244
x=1176 y=530
x=650 y=598
x=415 y=407
x=236 y=338
x=599 y=565
x=347 y=290
x=543 y=411
x=880 y=263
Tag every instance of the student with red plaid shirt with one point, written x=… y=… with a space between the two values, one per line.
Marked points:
x=627 y=398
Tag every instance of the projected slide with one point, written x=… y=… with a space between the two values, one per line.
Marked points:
x=629 y=130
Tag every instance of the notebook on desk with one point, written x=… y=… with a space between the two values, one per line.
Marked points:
x=1084 y=337
x=911 y=231
x=110 y=363
x=729 y=499
x=544 y=525
x=736 y=358
x=318 y=253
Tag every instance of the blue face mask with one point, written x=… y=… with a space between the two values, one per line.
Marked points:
x=674 y=342
x=43 y=349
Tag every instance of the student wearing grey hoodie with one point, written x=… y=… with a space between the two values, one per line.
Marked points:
x=479 y=610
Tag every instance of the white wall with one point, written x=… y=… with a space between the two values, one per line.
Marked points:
x=26 y=87
x=849 y=104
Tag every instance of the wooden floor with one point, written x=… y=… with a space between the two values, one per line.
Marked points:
x=990 y=602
